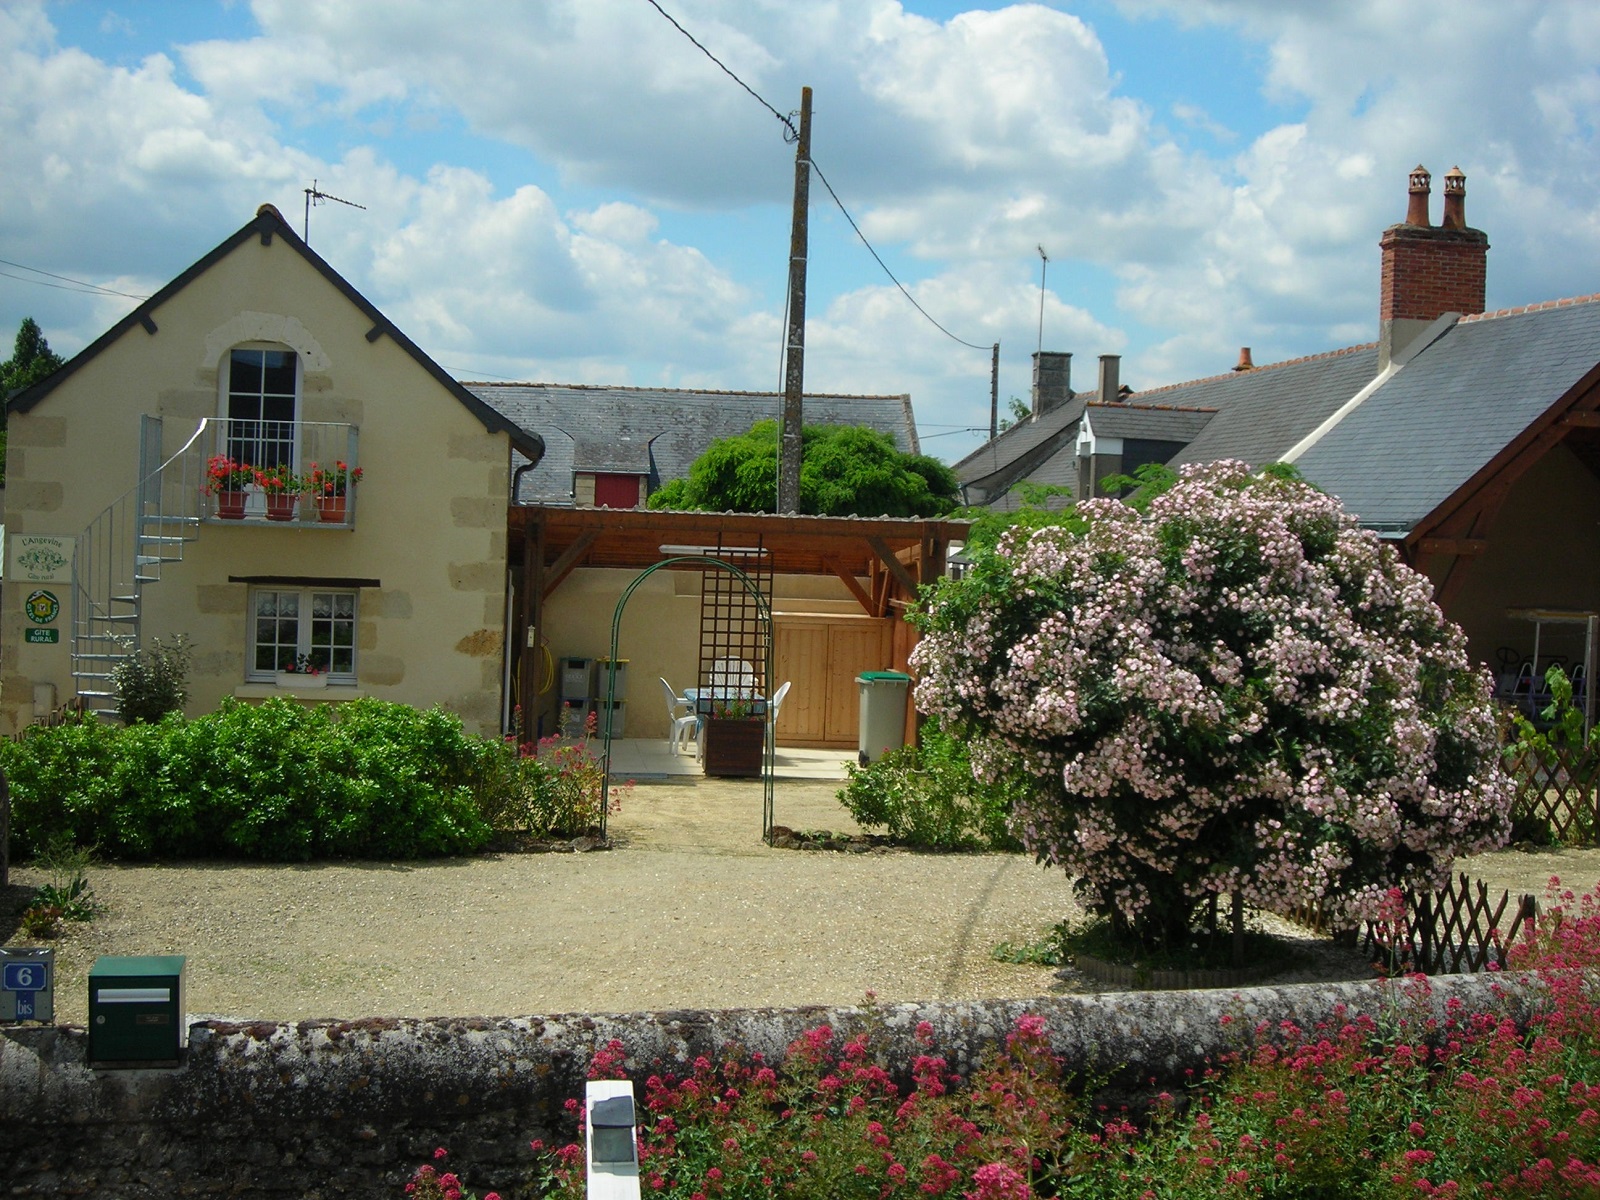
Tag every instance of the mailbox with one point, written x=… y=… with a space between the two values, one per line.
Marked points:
x=27 y=984
x=136 y=1011
x=612 y=1153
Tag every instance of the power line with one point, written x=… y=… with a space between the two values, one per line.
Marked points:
x=788 y=124
x=884 y=265
x=80 y=284
x=793 y=134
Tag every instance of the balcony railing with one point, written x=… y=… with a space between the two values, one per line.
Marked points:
x=282 y=472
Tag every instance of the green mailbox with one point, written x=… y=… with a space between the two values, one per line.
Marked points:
x=136 y=1011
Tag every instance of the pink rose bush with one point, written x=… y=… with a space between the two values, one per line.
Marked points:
x=1235 y=689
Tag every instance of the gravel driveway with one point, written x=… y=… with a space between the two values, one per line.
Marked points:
x=688 y=910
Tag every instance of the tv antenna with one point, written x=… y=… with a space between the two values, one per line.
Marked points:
x=314 y=195
x=1044 y=264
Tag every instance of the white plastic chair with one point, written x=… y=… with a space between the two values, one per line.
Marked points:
x=682 y=726
x=731 y=678
x=777 y=699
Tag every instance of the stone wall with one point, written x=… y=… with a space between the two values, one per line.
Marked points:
x=326 y=1109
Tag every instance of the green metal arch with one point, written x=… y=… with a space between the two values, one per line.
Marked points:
x=769 y=750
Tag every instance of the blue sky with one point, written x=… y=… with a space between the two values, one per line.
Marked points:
x=569 y=191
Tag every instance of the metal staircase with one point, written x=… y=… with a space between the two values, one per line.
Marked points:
x=124 y=549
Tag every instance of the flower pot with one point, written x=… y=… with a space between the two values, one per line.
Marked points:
x=734 y=746
x=331 y=509
x=301 y=681
x=281 y=506
x=230 y=505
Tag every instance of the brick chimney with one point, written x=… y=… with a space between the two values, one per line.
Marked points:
x=1427 y=270
x=1244 y=363
x=1052 y=380
x=1110 y=370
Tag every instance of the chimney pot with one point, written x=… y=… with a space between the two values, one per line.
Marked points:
x=1455 y=200
x=1244 y=363
x=1421 y=189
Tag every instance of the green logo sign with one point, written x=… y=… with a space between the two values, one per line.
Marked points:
x=43 y=607
x=47 y=636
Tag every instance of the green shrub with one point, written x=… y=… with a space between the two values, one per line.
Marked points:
x=552 y=789
x=152 y=682
x=926 y=796
x=277 y=781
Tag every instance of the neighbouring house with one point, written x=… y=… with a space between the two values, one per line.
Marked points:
x=836 y=587
x=610 y=447
x=448 y=564
x=259 y=353
x=1469 y=439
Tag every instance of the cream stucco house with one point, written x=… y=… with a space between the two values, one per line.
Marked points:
x=260 y=353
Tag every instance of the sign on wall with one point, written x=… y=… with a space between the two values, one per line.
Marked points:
x=37 y=558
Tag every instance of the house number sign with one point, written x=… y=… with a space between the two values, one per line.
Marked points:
x=43 y=607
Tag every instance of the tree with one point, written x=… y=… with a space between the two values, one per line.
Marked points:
x=846 y=470
x=31 y=360
x=1236 y=690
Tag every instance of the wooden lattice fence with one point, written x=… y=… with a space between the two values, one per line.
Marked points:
x=1455 y=930
x=1561 y=787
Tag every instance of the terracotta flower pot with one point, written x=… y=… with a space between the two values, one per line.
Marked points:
x=281 y=506
x=230 y=505
x=331 y=509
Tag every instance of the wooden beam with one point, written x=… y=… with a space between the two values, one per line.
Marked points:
x=893 y=563
x=849 y=580
x=563 y=566
x=1582 y=420
x=1447 y=545
x=528 y=629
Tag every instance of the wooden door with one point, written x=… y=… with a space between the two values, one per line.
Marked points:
x=821 y=657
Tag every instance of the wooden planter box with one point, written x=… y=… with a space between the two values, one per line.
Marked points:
x=734 y=747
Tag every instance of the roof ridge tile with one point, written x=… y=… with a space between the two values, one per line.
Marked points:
x=1256 y=370
x=1540 y=306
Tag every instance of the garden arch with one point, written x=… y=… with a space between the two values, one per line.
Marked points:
x=768 y=751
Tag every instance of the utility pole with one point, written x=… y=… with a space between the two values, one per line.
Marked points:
x=794 y=368
x=994 y=393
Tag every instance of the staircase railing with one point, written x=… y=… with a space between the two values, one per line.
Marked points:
x=125 y=548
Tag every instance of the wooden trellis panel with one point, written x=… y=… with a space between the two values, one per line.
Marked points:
x=1562 y=789
x=1456 y=929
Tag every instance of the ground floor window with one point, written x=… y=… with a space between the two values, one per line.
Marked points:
x=297 y=627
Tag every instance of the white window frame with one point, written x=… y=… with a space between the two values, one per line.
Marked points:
x=305 y=633
x=229 y=440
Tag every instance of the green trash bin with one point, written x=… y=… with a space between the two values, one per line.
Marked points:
x=883 y=713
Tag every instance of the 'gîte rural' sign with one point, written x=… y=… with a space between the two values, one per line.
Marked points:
x=36 y=558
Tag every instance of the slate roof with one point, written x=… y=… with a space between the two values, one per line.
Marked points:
x=1442 y=417
x=1264 y=411
x=658 y=431
x=1020 y=451
x=1148 y=422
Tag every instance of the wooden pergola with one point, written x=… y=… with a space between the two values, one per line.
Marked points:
x=895 y=556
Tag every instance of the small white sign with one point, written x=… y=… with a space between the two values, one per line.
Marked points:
x=37 y=558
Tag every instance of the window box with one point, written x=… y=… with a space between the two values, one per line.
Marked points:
x=300 y=680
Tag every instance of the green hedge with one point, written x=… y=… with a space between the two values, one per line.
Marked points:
x=278 y=781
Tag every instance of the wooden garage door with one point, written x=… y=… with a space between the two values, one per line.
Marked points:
x=821 y=657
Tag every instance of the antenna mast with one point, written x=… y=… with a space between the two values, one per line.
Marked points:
x=1044 y=265
x=315 y=196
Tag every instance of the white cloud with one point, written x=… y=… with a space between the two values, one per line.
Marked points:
x=552 y=242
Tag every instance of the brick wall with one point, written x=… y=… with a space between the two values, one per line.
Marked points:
x=1428 y=272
